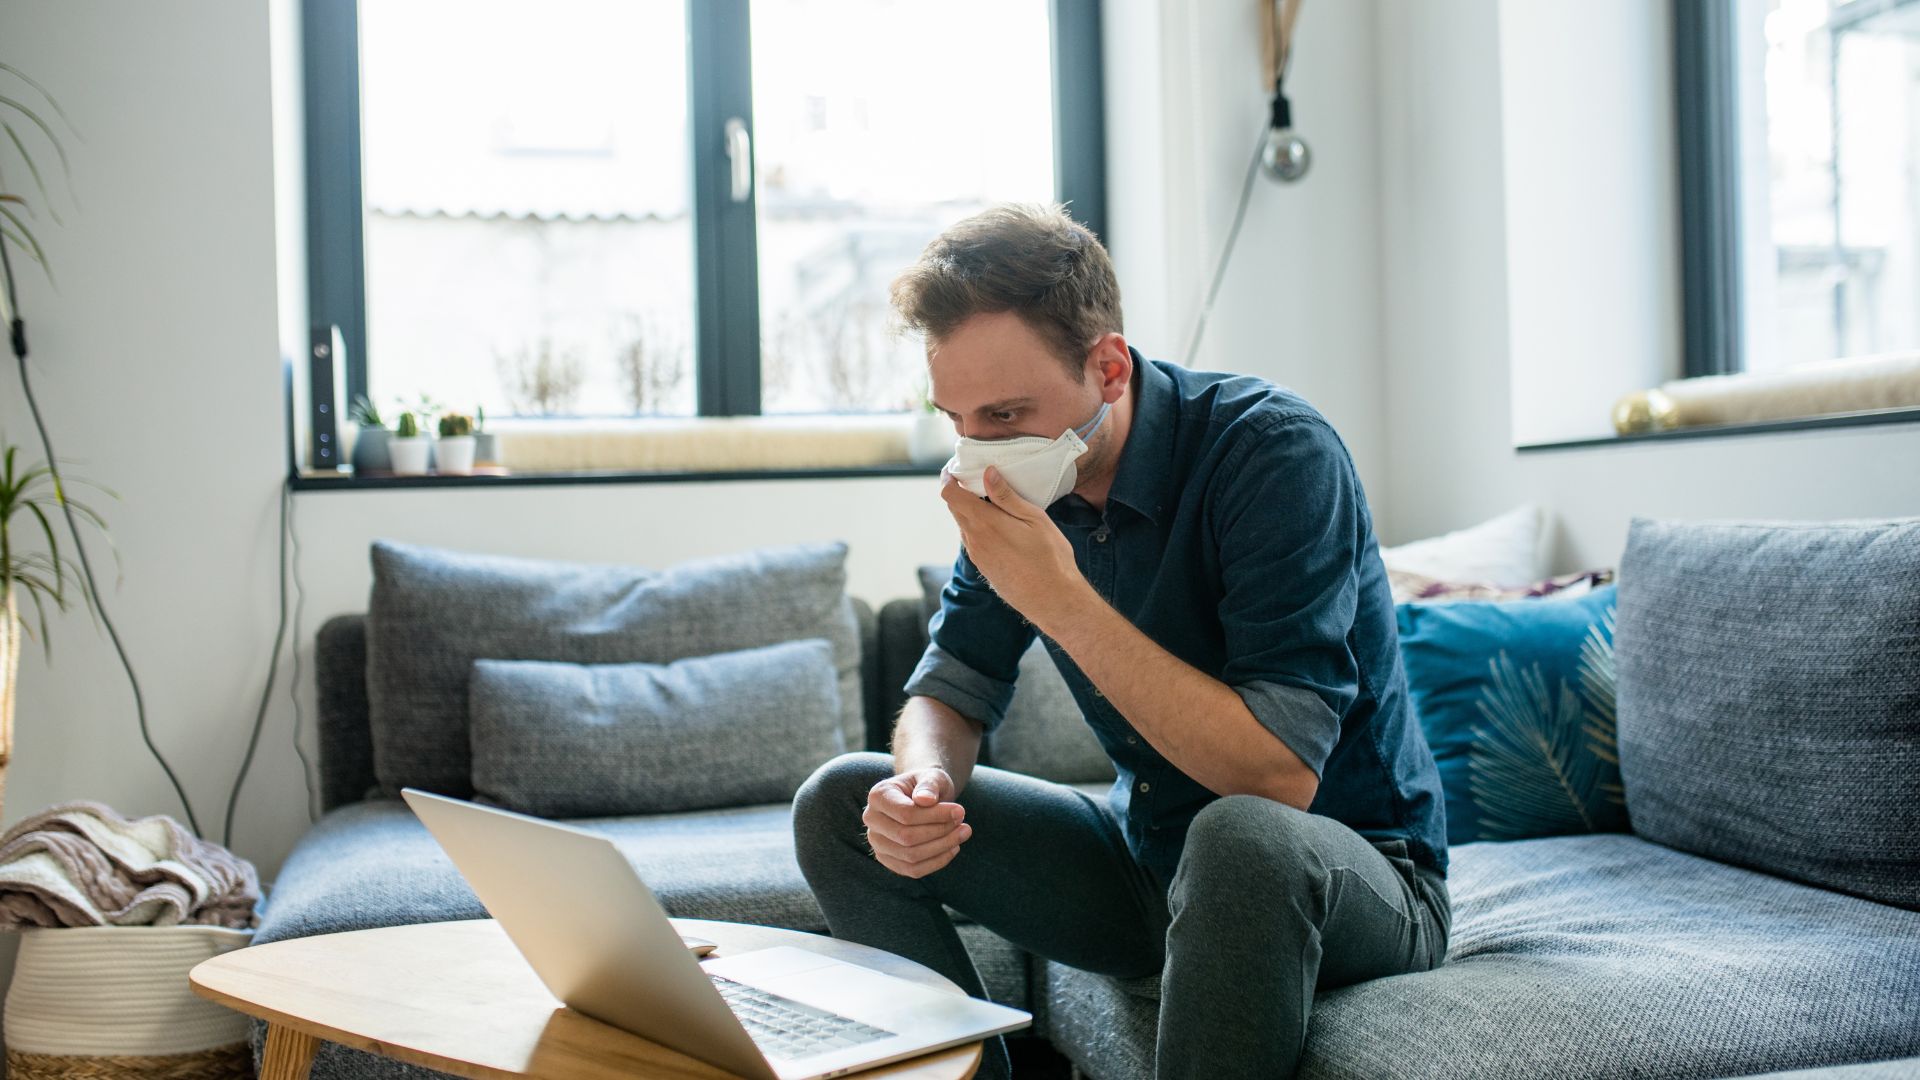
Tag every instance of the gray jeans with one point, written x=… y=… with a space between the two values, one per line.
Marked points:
x=1269 y=904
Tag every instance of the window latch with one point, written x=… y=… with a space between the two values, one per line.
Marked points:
x=740 y=154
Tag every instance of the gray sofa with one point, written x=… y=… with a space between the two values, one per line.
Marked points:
x=1598 y=955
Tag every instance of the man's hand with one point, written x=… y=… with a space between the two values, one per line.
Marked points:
x=1019 y=550
x=913 y=824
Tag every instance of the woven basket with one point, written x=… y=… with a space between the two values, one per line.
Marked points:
x=221 y=1063
x=114 y=1001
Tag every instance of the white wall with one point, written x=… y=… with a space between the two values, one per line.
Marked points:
x=1450 y=288
x=1299 y=304
x=1592 y=210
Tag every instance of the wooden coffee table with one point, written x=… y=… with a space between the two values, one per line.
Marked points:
x=458 y=997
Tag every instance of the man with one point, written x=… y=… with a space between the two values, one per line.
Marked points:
x=1212 y=591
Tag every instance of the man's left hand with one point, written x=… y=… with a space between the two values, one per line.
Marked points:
x=1018 y=548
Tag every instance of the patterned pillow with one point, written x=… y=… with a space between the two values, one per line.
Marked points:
x=1517 y=701
x=1408 y=586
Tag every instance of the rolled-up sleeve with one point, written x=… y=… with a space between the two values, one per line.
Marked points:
x=974 y=644
x=1288 y=522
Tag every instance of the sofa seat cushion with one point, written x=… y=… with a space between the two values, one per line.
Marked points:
x=373 y=864
x=1602 y=955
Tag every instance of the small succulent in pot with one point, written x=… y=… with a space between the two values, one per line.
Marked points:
x=370 y=452
x=930 y=439
x=486 y=445
x=456 y=444
x=409 y=446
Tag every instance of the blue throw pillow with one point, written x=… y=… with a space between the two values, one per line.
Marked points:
x=1517 y=701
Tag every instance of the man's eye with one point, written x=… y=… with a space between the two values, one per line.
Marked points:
x=1005 y=416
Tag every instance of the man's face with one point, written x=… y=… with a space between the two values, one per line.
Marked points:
x=996 y=379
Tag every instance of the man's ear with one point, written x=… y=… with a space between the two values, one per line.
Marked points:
x=1111 y=362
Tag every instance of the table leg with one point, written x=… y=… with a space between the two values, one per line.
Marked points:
x=289 y=1053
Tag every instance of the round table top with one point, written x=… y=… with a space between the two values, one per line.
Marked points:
x=459 y=997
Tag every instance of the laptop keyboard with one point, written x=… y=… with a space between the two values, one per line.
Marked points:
x=783 y=1027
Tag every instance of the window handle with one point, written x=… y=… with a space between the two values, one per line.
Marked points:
x=740 y=154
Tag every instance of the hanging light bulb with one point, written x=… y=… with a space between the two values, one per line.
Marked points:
x=1286 y=156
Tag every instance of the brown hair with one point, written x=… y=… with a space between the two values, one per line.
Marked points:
x=1027 y=258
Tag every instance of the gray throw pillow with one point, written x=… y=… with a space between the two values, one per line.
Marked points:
x=1768 y=696
x=434 y=612
x=1044 y=733
x=596 y=740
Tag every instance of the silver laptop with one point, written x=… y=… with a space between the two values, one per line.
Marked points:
x=593 y=932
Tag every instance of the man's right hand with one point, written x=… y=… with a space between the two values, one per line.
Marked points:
x=913 y=824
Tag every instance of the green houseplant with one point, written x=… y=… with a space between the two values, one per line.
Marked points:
x=486 y=446
x=930 y=439
x=409 y=446
x=456 y=444
x=370 y=453
x=26 y=497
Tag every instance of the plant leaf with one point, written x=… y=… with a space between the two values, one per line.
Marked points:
x=27 y=241
x=59 y=148
x=33 y=170
x=51 y=100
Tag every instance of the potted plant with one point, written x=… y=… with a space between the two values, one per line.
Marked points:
x=486 y=449
x=408 y=447
x=370 y=442
x=930 y=440
x=456 y=444
x=40 y=574
x=424 y=409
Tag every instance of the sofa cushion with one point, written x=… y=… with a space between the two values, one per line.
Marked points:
x=433 y=612
x=1044 y=733
x=1516 y=698
x=1769 y=696
x=1600 y=955
x=594 y=740
x=373 y=864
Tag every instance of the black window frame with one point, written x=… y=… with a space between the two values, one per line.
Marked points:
x=1707 y=126
x=727 y=336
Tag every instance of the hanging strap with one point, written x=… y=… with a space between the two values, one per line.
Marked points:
x=1276 y=38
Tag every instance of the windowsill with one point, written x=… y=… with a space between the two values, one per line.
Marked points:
x=1864 y=418
x=308 y=481
x=671 y=450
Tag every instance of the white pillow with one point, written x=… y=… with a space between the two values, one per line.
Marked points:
x=1511 y=549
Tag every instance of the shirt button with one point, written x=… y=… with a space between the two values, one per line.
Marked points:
x=1133 y=740
x=1099 y=693
x=1144 y=787
x=1100 y=536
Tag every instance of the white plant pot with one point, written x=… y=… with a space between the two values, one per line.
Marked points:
x=103 y=991
x=409 y=454
x=456 y=454
x=931 y=440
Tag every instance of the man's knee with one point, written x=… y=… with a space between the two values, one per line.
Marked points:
x=1244 y=839
x=830 y=801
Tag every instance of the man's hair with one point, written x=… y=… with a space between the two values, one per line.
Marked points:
x=1027 y=258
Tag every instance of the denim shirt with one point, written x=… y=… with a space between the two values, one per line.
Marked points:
x=1237 y=537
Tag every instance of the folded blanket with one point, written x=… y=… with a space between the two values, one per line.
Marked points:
x=82 y=864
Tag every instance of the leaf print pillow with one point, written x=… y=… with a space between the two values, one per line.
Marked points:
x=1517 y=701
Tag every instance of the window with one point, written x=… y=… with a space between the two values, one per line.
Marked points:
x=1800 y=180
x=535 y=207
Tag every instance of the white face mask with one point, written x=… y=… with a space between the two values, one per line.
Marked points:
x=1042 y=470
